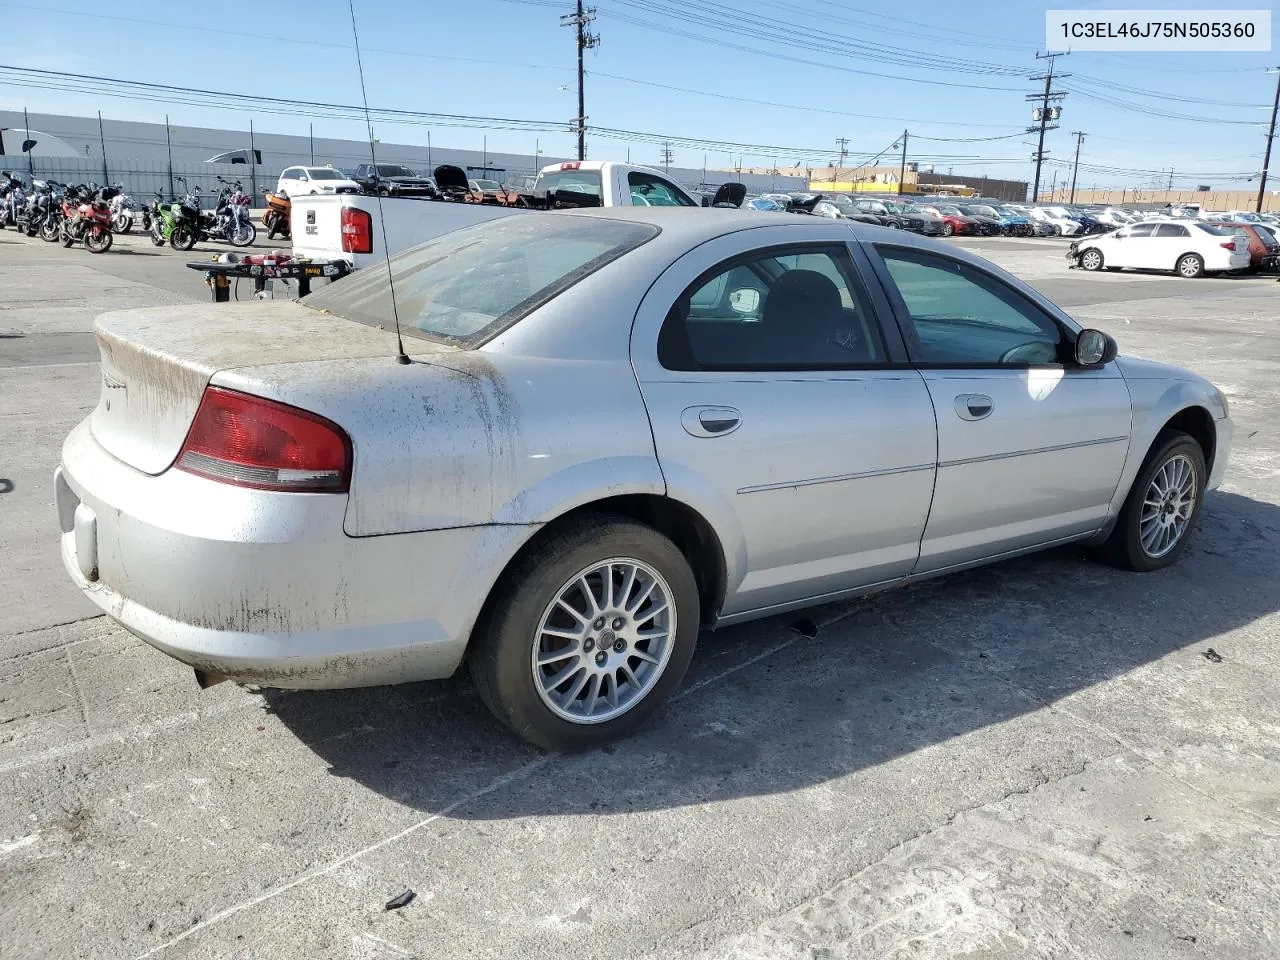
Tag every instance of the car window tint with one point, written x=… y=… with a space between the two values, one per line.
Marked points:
x=1141 y=230
x=962 y=316
x=779 y=310
x=1172 y=230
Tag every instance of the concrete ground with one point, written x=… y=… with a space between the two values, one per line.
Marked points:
x=1033 y=759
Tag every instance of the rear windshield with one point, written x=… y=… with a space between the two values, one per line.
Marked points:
x=579 y=181
x=468 y=285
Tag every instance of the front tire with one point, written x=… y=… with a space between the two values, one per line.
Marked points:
x=98 y=240
x=244 y=235
x=1190 y=266
x=123 y=223
x=948 y=229
x=1091 y=259
x=1160 y=512
x=182 y=238
x=585 y=637
x=49 y=230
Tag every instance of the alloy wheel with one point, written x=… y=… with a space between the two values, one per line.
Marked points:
x=1167 y=506
x=604 y=641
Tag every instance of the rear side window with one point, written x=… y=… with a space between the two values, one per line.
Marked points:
x=1141 y=230
x=468 y=285
x=1172 y=230
x=1218 y=231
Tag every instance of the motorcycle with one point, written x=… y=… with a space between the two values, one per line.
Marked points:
x=33 y=211
x=12 y=197
x=229 y=221
x=89 y=221
x=51 y=225
x=160 y=218
x=276 y=218
x=121 y=212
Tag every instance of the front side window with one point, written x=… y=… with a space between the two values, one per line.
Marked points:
x=960 y=316
x=650 y=191
x=789 y=309
x=471 y=284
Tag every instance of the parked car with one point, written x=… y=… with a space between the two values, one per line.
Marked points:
x=305 y=511
x=827 y=207
x=489 y=191
x=318 y=181
x=1259 y=240
x=521 y=184
x=988 y=221
x=763 y=204
x=900 y=215
x=1190 y=249
x=1060 y=224
x=393 y=180
x=952 y=222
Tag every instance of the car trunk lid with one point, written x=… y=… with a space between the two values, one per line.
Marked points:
x=157 y=362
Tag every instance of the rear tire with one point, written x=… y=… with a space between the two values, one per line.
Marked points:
x=1190 y=266
x=1141 y=538
x=632 y=671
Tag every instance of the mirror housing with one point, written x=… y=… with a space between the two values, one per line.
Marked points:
x=1093 y=348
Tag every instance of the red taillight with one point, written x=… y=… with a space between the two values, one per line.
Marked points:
x=1229 y=245
x=252 y=442
x=357 y=231
x=575 y=165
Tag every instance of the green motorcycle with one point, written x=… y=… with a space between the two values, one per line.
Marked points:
x=163 y=217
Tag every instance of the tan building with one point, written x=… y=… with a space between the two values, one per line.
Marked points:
x=1147 y=198
x=884 y=179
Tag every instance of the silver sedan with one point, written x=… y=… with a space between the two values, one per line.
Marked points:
x=605 y=431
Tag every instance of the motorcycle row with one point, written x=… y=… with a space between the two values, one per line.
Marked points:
x=93 y=215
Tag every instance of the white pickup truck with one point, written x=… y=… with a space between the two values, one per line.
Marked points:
x=347 y=227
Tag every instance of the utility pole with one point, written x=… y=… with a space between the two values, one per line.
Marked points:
x=1048 y=110
x=586 y=41
x=168 y=145
x=1170 y=187
x=902 y=170
x=1271 y=135
x=311 y=135
x=1079 y=135
x=843 y=144
x=1053 y=189
x=253 y=165
x=102 y=141
x=667 y=156
x=27 y=138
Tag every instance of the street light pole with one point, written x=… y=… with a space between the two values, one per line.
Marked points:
x=1271 y=135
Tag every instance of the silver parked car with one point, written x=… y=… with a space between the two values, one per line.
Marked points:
x=612 y=428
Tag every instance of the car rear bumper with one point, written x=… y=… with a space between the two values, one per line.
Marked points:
x=265 y=587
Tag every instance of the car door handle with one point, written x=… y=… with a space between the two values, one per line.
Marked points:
x=974 y=406
x=710 y=421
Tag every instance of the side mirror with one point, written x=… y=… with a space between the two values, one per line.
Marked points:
x=1095 y=348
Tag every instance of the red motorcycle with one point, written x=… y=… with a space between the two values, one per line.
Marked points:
x=87 y=219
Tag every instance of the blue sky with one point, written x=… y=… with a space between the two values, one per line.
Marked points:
x=792 y=73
